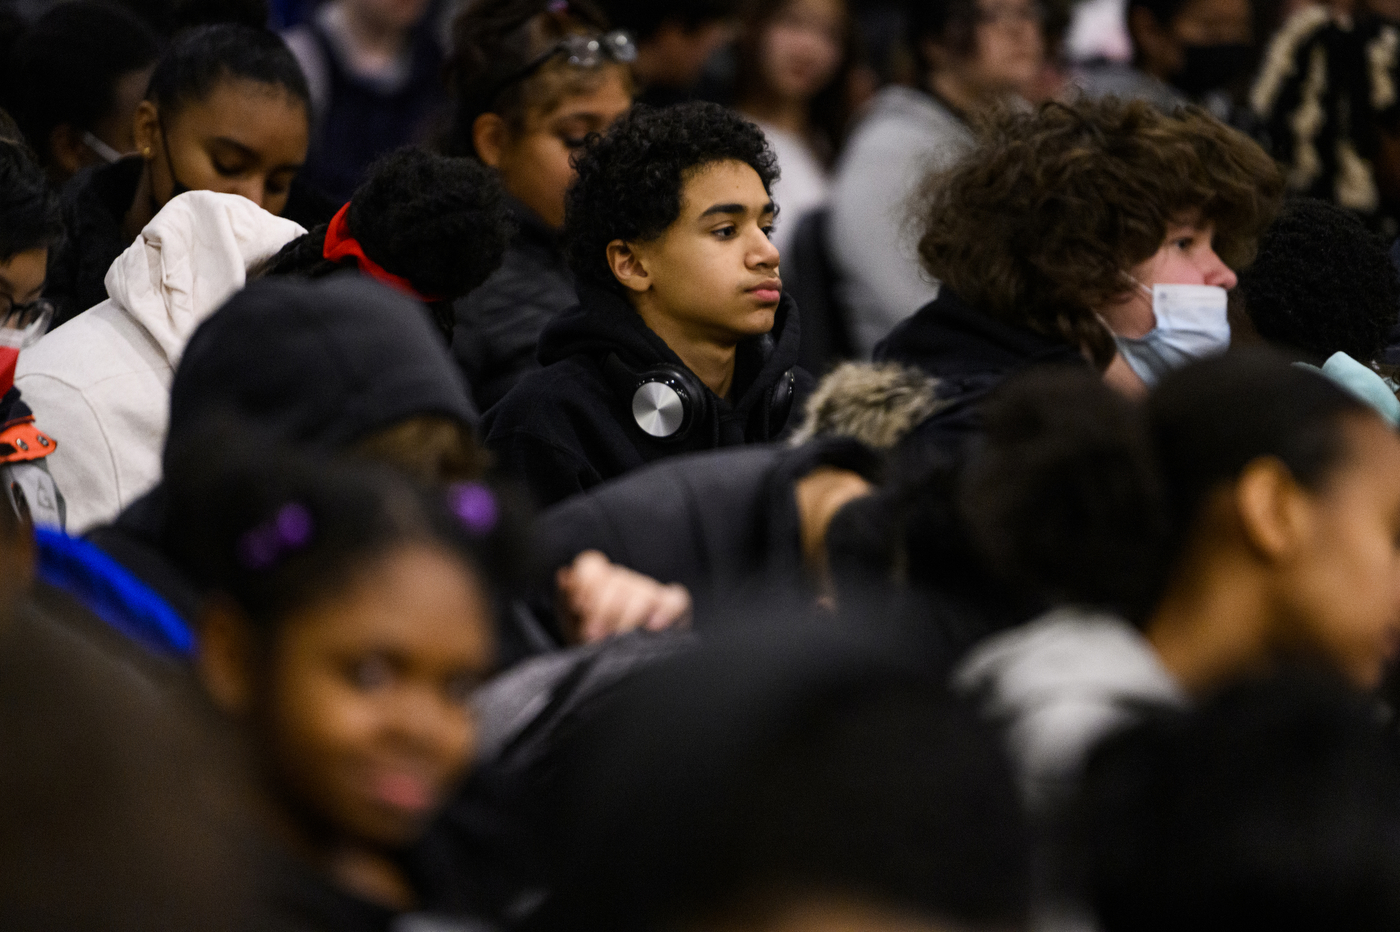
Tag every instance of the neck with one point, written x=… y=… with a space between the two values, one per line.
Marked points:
x=1211 y=626
x=711 y=359
x=139 y=213
x=959 y=94
x=375 y=45
x=788 y=115
x=370 y=875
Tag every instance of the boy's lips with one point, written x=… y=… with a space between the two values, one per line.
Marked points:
x=769 y=291
x=403 y=791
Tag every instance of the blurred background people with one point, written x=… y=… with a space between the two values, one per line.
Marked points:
x=74 y=79
x=528 y=90
x=795 y=60
x=674 y=43
x=1198 y=51
x=971 y=55
x=374 y=72
x=1325 y=98
x=226 y=111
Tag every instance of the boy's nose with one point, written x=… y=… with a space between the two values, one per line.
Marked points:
x=765 y=255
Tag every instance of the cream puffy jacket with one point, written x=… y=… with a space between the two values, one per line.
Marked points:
x=100 y=384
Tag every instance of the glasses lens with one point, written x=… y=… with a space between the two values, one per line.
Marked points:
x=23 y=324
x=620 y=47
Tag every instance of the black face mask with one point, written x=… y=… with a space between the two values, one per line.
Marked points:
x=177 y=187
x=1212 y=67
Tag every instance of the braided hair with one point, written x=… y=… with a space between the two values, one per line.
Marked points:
x=440 y=222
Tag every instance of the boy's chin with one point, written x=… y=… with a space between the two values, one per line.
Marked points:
x=755 y=321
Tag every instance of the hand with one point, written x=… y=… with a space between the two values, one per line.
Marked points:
x=599 y=599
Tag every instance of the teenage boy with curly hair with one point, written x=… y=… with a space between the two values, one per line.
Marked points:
x=682 y=339
x=1099 y=232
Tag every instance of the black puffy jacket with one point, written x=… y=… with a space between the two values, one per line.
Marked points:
x=499 y=324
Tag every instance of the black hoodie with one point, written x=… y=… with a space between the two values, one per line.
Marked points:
x=969 y=353
x=569 y=426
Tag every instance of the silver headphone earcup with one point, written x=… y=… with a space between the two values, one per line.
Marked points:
x=658 y=409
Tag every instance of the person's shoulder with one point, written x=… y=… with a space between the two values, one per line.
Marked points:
x=555 y=393
x=98 y=345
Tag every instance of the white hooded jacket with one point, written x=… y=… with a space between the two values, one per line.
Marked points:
x=100 y=384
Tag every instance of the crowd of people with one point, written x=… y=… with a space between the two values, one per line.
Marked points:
x=766 y=465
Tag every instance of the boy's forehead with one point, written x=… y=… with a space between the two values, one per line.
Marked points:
x=727 y=182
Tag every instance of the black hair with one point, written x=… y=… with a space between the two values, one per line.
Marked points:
x=764 y=768
x=1164 y=12
x=1274 y=806
x=1061 y=494
x=1212 y=419
x=1321 y=283
x=276 y=528
x=64 y=70
x=631 y=179
x=199 y=60
x=946 y=22
x=643 y=18
x=494 y=41
x=442 y=223
x=30 y=216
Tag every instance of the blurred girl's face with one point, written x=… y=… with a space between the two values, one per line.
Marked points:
x=1339 y=591
x=1009 y=46
x=802 y=47
x=368 y=695
x=534 y=162
x=245 y=137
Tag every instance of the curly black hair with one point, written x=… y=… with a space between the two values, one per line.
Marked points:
x=630 y=180
x=440 y=222
x=30 y=217
x=1322 y=283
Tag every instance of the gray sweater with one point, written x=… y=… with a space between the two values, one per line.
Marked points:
x=903 y=137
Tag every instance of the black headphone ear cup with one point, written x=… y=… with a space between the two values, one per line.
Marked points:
x=667 y=402
x=780 y=400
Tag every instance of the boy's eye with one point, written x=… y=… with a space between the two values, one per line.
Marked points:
x=573 y=142
x=228 y=171
x=768 y=231
x=725 y=232
x=371 y=673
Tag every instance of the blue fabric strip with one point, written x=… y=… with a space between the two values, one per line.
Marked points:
x=110 y=590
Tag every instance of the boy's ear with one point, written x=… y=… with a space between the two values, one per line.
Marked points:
x=1272 y=508
x=224 y=659
x=489 y=136
x=628 y=267
x=145 y=127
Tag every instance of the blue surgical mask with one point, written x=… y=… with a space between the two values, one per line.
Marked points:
x=1191 y=324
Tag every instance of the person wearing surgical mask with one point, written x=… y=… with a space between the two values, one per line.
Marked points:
x=1184 y=51
x=1101 y=233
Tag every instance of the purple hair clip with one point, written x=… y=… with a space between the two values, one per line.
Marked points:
x=475 y=506
x=285 y=532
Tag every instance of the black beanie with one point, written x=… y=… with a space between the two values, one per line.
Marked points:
x=323 y=362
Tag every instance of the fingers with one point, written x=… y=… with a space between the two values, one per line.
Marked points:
x=604 y=599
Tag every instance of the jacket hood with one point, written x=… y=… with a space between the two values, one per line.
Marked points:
x=603 y=323
x=1060 y=684
x=323 y=362
x=948 y=338
x=189 y=259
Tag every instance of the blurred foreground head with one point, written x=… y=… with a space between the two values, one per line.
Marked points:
x=1275 y=806
x=795 y=783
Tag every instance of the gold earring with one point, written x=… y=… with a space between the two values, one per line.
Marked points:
x=146 y=152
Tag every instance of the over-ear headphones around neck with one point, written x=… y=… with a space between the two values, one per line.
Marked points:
x=667 y=401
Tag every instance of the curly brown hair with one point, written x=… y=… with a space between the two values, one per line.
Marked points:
x=1039 y=224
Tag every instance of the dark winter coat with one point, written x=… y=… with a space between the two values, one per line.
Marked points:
x=723 y=523
x=499 y=324
x=969 y=353
x=95 y=204
x=569 y=426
